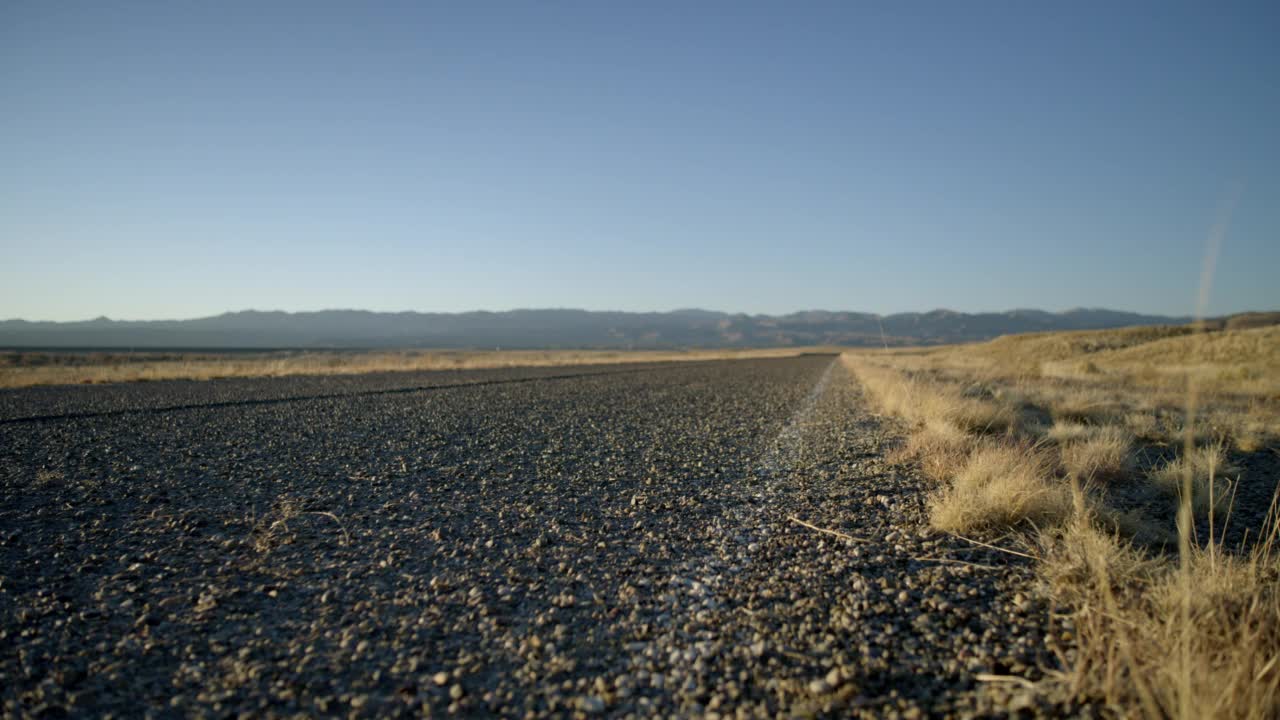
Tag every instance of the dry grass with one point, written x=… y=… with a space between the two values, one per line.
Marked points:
x=1093 y=408
x=926 y=402
x=967 y=436
x=1001 y=486
x=1093 y=452
x=1161 y=640
x=1159 y=635
x=27 y=369
x=939 y=446
x=1206 y=472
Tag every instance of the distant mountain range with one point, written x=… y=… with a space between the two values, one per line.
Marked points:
x=554 y=328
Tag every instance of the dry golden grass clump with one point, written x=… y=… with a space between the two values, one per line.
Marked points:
x=1101 y=453
x=1206 y=471
x=1000 y=486
x=1039 y=434
x=26 y=369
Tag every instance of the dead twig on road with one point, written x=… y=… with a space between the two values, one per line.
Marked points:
x=836 y=533
x=986 y=677
x=993 y=547
x=346 y=539
x=958 y=562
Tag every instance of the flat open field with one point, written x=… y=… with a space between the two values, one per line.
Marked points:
x=722 y=537
x=24 y=368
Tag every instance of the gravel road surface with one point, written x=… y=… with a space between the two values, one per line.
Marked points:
x=618 y=541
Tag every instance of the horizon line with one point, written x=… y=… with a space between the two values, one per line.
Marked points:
x=673 y=311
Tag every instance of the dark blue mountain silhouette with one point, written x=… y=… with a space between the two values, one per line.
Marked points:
x=555 y=328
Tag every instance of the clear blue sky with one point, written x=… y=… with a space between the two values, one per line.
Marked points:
x=178 y=159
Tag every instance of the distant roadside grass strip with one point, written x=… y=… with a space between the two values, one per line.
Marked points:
x=25 y=369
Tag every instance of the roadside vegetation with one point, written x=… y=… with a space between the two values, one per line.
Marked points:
x=23 y=369
x=1140 y=466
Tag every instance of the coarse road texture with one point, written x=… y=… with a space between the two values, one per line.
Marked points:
x=553 y=542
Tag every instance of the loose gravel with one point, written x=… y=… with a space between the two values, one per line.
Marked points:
x=628 y=542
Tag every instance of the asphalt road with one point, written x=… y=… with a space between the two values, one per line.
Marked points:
x=618 y=540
